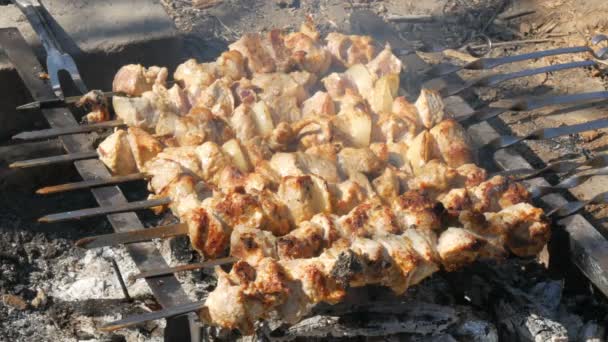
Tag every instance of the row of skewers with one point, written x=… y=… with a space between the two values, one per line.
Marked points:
x=351 y=186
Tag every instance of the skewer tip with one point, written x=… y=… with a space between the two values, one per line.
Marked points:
x=84 y=242
x=44 y=219
x=18 y=136
x=43 y=191
x=27 y=106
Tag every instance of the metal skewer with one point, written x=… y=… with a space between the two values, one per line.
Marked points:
x=492 y=80
x=90 y=212
x=561 y=212
x=544 y=133
x=478 y=116
x=151 y=316
x=57 y=132
x=565 y=184
x=139 y=235
x=70 y=157
x=562 y=166
x=57 y=102
x=498 y=143
x=531 y=104
x=490 y=63
x=182 y=268
x=182 y=229
x=78 y=214
x=87 y=184
x=572 y=208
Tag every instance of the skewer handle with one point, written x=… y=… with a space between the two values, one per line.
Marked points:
x=57 y=132
x=138 y=235
x=90 y=184
x=151 y=316
x=90 y=212
x=53 y=160
x=182 y=268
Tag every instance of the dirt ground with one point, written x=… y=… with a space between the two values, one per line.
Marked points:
x=47 y=284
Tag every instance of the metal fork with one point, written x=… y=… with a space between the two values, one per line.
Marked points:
x=56 y=57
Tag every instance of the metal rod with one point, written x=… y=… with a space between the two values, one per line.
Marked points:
x=182 y=268
x=138 y=235
x=167 y=290
x=565 y=184
x=57 y=132
x=56 y=102
x=93 y=183
x=123 y=286
x=496 y=79
x=491 y=63
x=544 y=133
x=151 y=316
x=558 y=167
x=562 y=166
x=70 y=157
x=90 y=212
x=530 y=104
x=572 y=208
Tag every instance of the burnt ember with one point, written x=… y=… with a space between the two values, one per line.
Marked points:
x=347 y=266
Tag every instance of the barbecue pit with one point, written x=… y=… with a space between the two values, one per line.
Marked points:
x=484 y=134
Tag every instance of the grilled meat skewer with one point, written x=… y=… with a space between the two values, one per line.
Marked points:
x=289 y=288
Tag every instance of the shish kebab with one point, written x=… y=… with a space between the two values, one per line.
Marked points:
x=301 y=193
x=427 y=171
x=495 y=191
x=250 y=310
x=518 y=225
x=206 y=89
x=338 y=94
x=259 y=287
x=167 y=111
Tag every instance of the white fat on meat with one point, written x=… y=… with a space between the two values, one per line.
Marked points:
x=282 y=94
x=299 y=164
x=218 y=98
x=252 y=245
x=212 y=161
x=305 y=196
x=318 y=104
x=161 y=172
x=135 y=79
x=136 y=111
x=431 y=108
x=452 y=143
x=115 y=153
x=143 y=145
x=195 y=77
x=385 y=63
x=251 y=46
x=359 y=160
